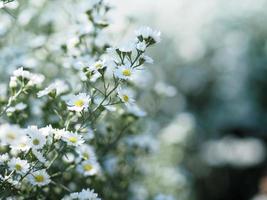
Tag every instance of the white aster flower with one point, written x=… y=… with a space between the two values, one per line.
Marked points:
x=33 y=79
x=85 y=194
x=47 y=131
x=23 y=144
x=58 y=86
x=85 y=152
x=124 y=72
x=20 y=72
x=4 y=158
x=88 y=168
x=97 y=65
x=37 y=139
x=79 y=102
x=126 y=95
x=20 y=166
x=10 y=134
x=72 y=139
x=39 y=178
x=147 y=33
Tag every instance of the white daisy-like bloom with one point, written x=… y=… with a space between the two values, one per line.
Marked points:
x=59 y=86
x=126 y=95
x=20 y=72
x=47 y=131
x=141 y=46
x=79 y=102
x=20 y=166
x=85 y=194
x=36 y=79
x=100 y=64
x=37 y=139
x=91 y=74
x=72 y=139
x=58 y=133
x=85 y=152
x=39 y=178
x=23 y=144
x=10 y=134
x=88 y=167
x=4 y=158
x=147 y=32
x=124 y=72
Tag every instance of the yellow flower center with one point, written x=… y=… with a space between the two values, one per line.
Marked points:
x=86 y=156
x=87 y=167
x=73 y=139
x=79 y=103
x=11 y=136
x=125 y=98
x=36 y=142
x=18 y=167
x=22 y=145
x=126 y=72
x=39 y=178
x=98 y=65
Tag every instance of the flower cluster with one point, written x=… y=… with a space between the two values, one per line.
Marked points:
x=60 y=128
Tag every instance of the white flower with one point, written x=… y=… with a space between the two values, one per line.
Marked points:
x=47 y=131
x=141 y=46
x=20 y=72
x=20 y=166
x=88 y=167
x=33 y=79
x=85 y=195
x=37 y=139
x=39 y=178
x=126 y=95
x=59 y=86
x=79 y=102
x=4 y=158
x=147 y=33
x=59 y=133
x=124 y=72
x=85 y=152
x=10 y=134
x=90 y=74
x=72 y=139
x=23 y=144
x=97 y=65
x=36 y=79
